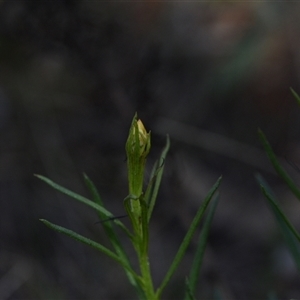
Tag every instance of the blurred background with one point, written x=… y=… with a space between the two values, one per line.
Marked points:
x=72 y=75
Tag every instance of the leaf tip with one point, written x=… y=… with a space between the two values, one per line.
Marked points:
x=85 y=177
x=260 y=132
x=43 y=221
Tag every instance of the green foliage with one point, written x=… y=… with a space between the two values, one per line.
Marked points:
x=279 y=169
x=139 y=207
x=186 y=241
x=196 y=266
x=290 y=234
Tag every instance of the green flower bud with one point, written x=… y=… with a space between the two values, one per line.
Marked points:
x=137 y=148
x=144 y=137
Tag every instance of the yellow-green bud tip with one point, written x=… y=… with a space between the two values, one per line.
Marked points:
x=138 y=143
x=143 y=135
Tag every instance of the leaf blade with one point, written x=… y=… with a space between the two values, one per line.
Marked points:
x=156 y=177
x=196 y=265
x=90 y=243
x=81 y=199
x=280 y=171
x=113 y=237
x=188 y=237
x=290 y=234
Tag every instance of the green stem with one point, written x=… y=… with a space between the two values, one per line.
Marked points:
x=146 y=276
x=141 y=246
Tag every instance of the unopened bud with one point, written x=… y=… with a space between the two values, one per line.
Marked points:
x=137 y=148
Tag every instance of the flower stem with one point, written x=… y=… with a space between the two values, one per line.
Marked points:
x=146 y=276
x=137 y=148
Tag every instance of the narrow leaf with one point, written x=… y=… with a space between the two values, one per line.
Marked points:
x=94 y=192
x=82 y=199
x=91 y=243
x=189 y=295
x=280 y=171
x=157 y=172
x=197 y=263
x=290 y=234
x=278 y=211
x=97 y=199
x=188 y=237
x=113 y=237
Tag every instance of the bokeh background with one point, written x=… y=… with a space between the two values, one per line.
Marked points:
x=72 y=75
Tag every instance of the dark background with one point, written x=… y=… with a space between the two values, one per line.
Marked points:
x=72 y=75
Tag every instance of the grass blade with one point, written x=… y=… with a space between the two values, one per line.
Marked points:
x=280 y=171
x=290 y=234
x=196 y=266
x=82 y=199
x=188 y=237
x=275 y=207
x=113 y=237
x=91 y=243
x=157 y=172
